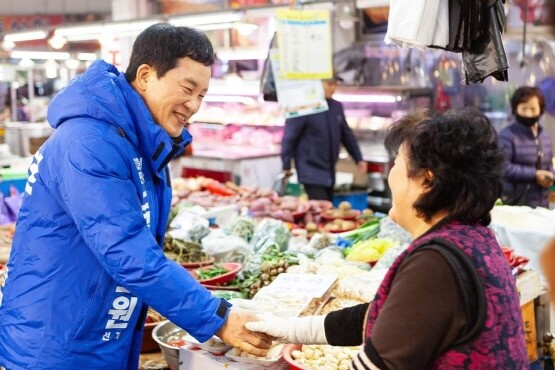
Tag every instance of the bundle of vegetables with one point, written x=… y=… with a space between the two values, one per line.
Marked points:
x=273 y=262
x=242 y=227
x=269 y=232
x=211 y=272
x=369 y=250
x=182 y=251
x=366 y=231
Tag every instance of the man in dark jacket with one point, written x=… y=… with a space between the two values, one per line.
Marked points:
x=528 y=152
x=313 y=142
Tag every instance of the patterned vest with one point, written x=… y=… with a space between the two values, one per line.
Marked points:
x=498 y=342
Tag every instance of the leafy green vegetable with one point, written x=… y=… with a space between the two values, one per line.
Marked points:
x=369 y=231
x=211 y=272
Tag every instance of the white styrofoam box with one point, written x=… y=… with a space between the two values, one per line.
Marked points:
x=528 y=286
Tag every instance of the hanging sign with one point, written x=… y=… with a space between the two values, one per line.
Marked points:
x=304 y=41
x=297 y=97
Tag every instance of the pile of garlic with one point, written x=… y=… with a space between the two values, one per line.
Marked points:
x=325 y=357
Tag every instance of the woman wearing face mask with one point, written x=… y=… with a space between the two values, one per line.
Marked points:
x=528 y=152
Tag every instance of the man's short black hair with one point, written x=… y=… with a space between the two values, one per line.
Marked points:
x=461 y=150
x=162 y=45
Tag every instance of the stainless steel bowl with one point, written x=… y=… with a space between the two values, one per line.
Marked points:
x=159 y=334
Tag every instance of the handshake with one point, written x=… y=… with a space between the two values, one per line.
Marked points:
x=245 y=331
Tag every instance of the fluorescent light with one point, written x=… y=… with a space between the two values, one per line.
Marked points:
x=79 y=30
x=57 y=42
x=26 y=63
x=205 y=19
x=363 y=4
x=87 y=56
x=83 y=37
x=230 y=99
x=72 y=64
x=25 y=36
x=360 y=98
x=241 y=54
x=263 y=11
x=39 y=55
x=128 y=26
x=215 y=26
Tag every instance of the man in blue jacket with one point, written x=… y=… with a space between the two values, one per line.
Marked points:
x=313 y=142
x=87 y=254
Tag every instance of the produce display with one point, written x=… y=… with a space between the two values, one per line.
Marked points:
x=272 y=263
x=211 y=272
x=370 y=250
x=182 y=251
x=324 y=357
x=343 y=211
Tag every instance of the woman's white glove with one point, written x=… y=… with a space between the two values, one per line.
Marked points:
x=298 y=330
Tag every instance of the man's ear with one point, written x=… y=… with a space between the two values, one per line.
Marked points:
x=144 y=73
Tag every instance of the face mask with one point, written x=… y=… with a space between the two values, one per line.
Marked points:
x=527 y=121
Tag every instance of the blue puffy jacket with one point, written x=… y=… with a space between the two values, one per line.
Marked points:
x=521 y=155
x=87 y=257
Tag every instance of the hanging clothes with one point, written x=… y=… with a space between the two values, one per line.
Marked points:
x=487 y=57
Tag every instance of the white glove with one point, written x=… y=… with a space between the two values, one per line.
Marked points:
x=298 y=330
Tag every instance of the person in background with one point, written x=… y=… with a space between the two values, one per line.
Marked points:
x=87 y=258
x=528 y=152
x=449 y=301
x=313 y=142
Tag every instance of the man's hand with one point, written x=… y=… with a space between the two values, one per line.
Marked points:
x=362 y=167
x=547 y=262
x=234 y=333
x=299 y=330
x=287 y=173
x=544 y=178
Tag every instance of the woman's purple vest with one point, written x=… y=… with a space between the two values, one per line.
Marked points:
x=500 y=344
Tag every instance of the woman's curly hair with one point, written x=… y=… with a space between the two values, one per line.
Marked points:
x=461 y=150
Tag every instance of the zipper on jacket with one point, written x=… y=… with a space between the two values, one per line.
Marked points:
x=121 y=132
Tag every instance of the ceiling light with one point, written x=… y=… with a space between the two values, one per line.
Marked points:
x=16 y=54
x=87 y=56
x=26 y=63
x=127 y=26
x=241 y=54
x=214 y=26
x=8 y=45
x=360 y=98
x=25 y=36
x=57 y=42
x=363 y=4
x=230 y=99
x=72 y=64
x=79 y=30
x=205 y=19
x=51 y=68
x=245 y=29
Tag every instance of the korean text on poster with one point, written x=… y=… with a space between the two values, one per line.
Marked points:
x=304 y=41
x=297 y=97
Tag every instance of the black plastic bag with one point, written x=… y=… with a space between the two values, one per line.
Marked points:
x=267 y=81
x=488 y=57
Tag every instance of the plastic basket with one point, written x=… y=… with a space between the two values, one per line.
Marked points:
x=358 y=200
